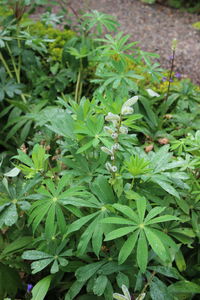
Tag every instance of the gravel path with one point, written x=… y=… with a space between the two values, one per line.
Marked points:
x=155 y=26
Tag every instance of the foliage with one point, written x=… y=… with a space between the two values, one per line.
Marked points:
x=99 y=179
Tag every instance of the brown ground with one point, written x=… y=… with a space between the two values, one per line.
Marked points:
x=154 y=26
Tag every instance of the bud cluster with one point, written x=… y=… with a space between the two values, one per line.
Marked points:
x=115 y=129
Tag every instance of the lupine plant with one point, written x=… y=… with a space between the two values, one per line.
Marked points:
x=95 y=195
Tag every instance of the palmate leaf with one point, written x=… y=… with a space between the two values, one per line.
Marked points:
x=99 y=20
x=33 y=165
x=141 y=232
x=43 y=259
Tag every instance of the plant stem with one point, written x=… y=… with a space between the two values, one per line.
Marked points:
x=6 y=65
x=78 y=89
x=13 y=63
x=170 y=74
x=148 y=283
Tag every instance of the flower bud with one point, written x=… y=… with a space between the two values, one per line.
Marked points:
x=108 y=166
x=106 y=150
x=126 y=110
x=123 y=129
x=114 y=135
x=108 y=129
x=112 y=157
x=114 y=169
x=110 y=117
x=131 y=101
x=115 y=146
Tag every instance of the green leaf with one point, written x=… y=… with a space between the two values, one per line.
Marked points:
x=142 y=252
x=85 y=238
x=55 y=267
x=156 y=244
x=85 y=272
x=128 y=247
x=10 y=281
x=12 y=173
x=74 y=290
x=159 y=291
x=160 y=219
x=9 y=216
x=180 y=261
x=39 y=265
x=127 y=211
x=117 y=220
x=184 y=286
x=165 y=185
x=153 y=212
x=166 y=271
x=79 y=223
x=17 y=245
x=122 y=279
x=100 y=285
x=35 y=255
x=102 y=189
x=85 y=147
x=50 y=221
x=119 y=232
x=97 y=238
x=40 y=290
x=141 y=207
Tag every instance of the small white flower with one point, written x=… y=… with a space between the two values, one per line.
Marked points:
x=112 y=157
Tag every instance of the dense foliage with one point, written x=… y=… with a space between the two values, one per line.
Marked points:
x=100 y=164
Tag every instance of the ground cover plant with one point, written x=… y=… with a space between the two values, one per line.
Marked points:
x=100 y=164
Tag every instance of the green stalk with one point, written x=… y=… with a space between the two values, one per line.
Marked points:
x=13 y=63
x=170 y=75
x=79 y=84
x=6 y=65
